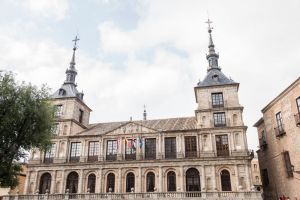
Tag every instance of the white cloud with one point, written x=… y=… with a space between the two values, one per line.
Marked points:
x=46 y=8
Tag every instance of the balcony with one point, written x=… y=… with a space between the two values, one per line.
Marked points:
x=150 y=156
x=130 y=156
x=263 y=143
x=92 y=158
x=219 y=124
x=279 y=131
x=74 y=159
x=111 y=157
x=191 y=154
x=220 y=105
x=223 y=152
x=48 y=160
x=147 y=196
x=297 y=119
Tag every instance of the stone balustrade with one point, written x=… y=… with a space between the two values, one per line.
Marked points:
x=137 y=196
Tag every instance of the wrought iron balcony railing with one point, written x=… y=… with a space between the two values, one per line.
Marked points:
x=130 y=156
x=111 y=157
x=191 y=154
x=279 y=131
x=74 y=159
x=48 y=160
x=92 y=158
x=263 y=143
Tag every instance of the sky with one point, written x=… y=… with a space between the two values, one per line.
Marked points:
x=136 y=52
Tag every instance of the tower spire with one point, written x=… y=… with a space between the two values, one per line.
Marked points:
x=212 y=56
x=71 y=71
x=145 y=113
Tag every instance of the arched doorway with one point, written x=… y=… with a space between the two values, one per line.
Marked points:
x=110 y=183
x=91 y=183
x=192 y=180
x=129 y=182
x=72 y=182
x=45 y=183
x=171 y=181
x=225 y=180
x=150 y=182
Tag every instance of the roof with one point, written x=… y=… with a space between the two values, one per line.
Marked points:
x=282 y=94
x=215 y=77
x=67 y=90
x=259 y=122
x=169 y=124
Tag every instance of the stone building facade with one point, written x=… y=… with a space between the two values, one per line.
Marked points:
x=278 y=132
x=256 y=178
x=207 y=152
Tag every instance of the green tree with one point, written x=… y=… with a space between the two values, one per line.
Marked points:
x=26 y=119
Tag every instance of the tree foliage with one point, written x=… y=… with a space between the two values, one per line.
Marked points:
x=26 y=119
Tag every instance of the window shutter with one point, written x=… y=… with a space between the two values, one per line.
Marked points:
x=288 y=165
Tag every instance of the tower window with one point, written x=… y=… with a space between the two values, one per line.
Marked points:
x=150 y=148
x=58 y=111
x=80 y=115
x=219 y=119
x=111 y=150
x=217 y=99
x=62 y=92
x=93 y=151
x=190 y=146
x=222 y=145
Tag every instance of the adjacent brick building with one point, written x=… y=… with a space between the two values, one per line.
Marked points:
x=279 y=140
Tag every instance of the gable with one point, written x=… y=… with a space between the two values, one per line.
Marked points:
x=131 y=128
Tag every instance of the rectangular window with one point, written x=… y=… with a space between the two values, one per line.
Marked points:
x=130 y=153
x=170 y=147
x=50 y=154
x=219 y=119
x=93 y=151
x=297 y=115
x=190 y=146
x=288 y=164
x=58 y=111
x=279 y=130
x=263 y=139
x=217 y=99
x=111 y=150
x=75 y=152
x=265 y=177
x=55 y=129
x=222 y=145
x=150 y=148
x=80 y=115
x=298 y=104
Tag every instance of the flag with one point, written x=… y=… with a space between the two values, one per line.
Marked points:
x=128 y=143
x=141 y=142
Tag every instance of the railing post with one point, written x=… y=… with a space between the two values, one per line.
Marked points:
x=67 y=194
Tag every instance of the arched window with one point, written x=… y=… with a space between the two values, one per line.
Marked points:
x=171 y=181
x=225 y=180
x=72 y=182
x=129 y=182
x=91 y=183
x=192 y=180
x=45 y=183
x=150 y=182
x=110 y=184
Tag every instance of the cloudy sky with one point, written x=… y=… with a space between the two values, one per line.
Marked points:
x=136 y=52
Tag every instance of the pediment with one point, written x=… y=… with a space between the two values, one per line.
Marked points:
x=131 y=128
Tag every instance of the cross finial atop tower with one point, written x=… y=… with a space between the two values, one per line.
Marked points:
x=75 y=42
x=208 y=23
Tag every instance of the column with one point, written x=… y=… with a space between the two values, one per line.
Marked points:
x=248 y=178
x=139 y=181
x=232 y=139
x=182 y=189
x=100 y=182
x=83 y=147
x=159 y=152
x=63 y=180
x=80 y=181
x=160 y=179
x=120 y=180
x=212 y=142
x=214 y=177
x=237 y=177
x=35 y=186
x=53 y=182
x=182 y=145
x=101 y=147
x=199 y=147
x=203 y=179
x=26 y=187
